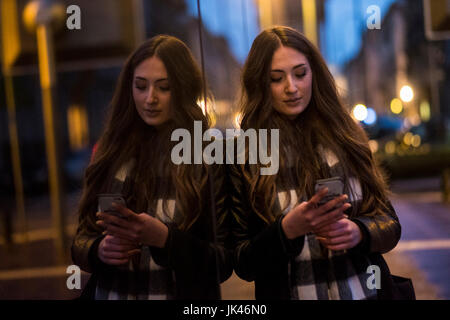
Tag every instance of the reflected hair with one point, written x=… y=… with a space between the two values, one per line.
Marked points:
x=127 y=137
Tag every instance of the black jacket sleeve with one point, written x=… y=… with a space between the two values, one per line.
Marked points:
x=381 y=232
x=84 y=248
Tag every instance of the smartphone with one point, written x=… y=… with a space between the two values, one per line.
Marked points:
x=106 y=200
x=335 y=188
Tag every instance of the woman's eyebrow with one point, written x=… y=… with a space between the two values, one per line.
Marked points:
x=299 y=65
x=145 y=79
x=295 y=67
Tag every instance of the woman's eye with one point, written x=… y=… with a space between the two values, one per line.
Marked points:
x=275 y=79
x=165 y=88
x=301 y=75
x=140 y=85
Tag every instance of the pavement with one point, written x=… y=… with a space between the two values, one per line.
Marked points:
x=31 y=269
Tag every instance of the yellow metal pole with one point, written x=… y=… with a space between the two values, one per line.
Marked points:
x=310 y=20
x=47 y=79
x=9 y=36
x=15 y=156
x=46 y=56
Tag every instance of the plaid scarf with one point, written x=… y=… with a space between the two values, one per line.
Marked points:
x=319 y=273
x=142 y=278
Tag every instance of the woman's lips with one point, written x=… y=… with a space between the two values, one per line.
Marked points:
x=152 y=113
x=293 y=102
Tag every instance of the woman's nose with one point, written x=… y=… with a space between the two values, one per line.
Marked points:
x=151 y=97
x=290 y=86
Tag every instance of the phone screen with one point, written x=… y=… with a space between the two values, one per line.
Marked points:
x=335 y=188
x=105 y=202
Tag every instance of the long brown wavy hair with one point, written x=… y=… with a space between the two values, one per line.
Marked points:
x=126 y=137
x=325 y=122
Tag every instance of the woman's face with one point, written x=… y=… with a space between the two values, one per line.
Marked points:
x=151 y=91
x=290 y=81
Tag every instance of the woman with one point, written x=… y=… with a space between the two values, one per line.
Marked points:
x=289 y=244
x=165 y=247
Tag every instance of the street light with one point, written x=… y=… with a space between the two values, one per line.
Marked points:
x=396 y=106
x=360 y=112
x=371 y=117
x=406 y=93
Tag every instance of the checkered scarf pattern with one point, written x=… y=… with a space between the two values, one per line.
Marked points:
x=321 y=274
x=142 y=278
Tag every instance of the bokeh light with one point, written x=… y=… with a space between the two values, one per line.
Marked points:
x=406 y=93
x=389 y=147
x=425 y=112
x=360 y=112
x=371 y=117
x=396 y=106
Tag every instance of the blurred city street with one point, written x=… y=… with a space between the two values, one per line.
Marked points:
x=31 y=271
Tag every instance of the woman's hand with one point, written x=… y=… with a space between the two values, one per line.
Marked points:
x=308 y=216
x=340 y=235
x=138 y=228
x=116 y=251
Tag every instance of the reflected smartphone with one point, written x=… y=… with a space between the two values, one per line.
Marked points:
x=106 y=200
x=335 y=188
